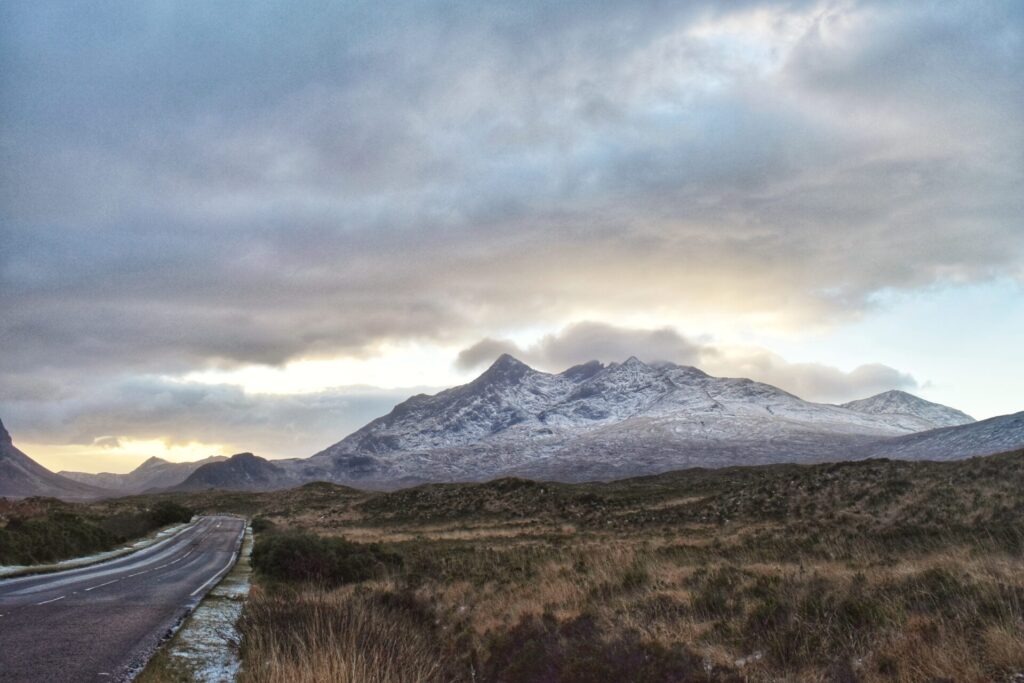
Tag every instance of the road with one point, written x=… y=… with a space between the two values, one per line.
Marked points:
x=101 y=623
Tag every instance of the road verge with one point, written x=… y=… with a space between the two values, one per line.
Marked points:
x=205 y=645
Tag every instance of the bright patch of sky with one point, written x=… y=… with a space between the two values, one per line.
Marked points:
x=963 y=343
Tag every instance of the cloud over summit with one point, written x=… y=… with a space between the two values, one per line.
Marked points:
x=585 y=341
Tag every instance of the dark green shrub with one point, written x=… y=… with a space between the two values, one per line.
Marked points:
x=48 y=539
x=543 y=650
x=304 y=557
x=261 y=525
x=168 y=512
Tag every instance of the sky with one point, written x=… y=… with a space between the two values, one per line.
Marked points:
x=255 y=226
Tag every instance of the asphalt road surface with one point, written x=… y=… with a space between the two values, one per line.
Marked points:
x=101 y=623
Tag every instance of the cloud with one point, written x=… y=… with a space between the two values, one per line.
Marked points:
x=437 y=173
x=484 y=352
x=587 y=341
x=201 y=186
x=107 y=442
x=814 y=381
x=151 y=408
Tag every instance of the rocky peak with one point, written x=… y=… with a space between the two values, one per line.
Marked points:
x=505 y=370
x=578 y=373
x=243 y=457
x=150 y=463
x=895 y=402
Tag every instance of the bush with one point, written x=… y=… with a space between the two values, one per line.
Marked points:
x=261 y=525
x=303 y=557
x=544 y=650
x=62 y=535
x=168 y=512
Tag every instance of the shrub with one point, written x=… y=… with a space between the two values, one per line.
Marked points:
x=542 y=650
x=168 y=512
x=261 y=525
x=304 y=557
x=47 y=539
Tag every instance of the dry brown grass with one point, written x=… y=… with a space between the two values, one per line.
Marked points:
x=972 y=633
x=873 y=572
x=314 y=636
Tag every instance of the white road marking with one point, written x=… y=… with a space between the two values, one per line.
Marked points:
x=218 y=575
x=97 y=571
x=91 y=568
x=44 y=602
x=102 y=585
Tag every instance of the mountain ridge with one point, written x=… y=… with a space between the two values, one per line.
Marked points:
x=606 y=421
x=153 y=474
x=596 y=421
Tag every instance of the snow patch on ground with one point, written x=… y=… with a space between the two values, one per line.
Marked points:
x=206 y=646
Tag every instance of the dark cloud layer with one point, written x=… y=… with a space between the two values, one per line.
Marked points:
x=145 y=408
x=586 y=341
x=185 y=185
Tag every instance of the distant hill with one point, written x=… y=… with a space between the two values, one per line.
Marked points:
x=909 y=411
x=153 y=475
x=21 y=476
x=241 y=472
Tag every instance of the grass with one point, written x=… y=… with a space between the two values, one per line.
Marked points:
x=865 y=571
x=344 y=636
x=869 y=571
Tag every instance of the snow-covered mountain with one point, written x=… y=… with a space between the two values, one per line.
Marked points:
x=994 y=435
x=21 y=476
x=909 y=411
x=596 y=421
x=153 y=474
x=606 y=421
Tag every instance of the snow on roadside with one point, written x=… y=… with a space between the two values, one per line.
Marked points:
x=7 y=571
x=206 y=646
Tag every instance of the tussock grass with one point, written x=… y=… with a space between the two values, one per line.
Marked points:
x=873 y=571
x=311 y=636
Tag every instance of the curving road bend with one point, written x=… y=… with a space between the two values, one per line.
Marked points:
x=101 y=623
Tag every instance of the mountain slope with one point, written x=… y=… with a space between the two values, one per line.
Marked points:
x=994 y=435
x=155 y=473
x=910 y=411
x=596 y=422
x=21 y=476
